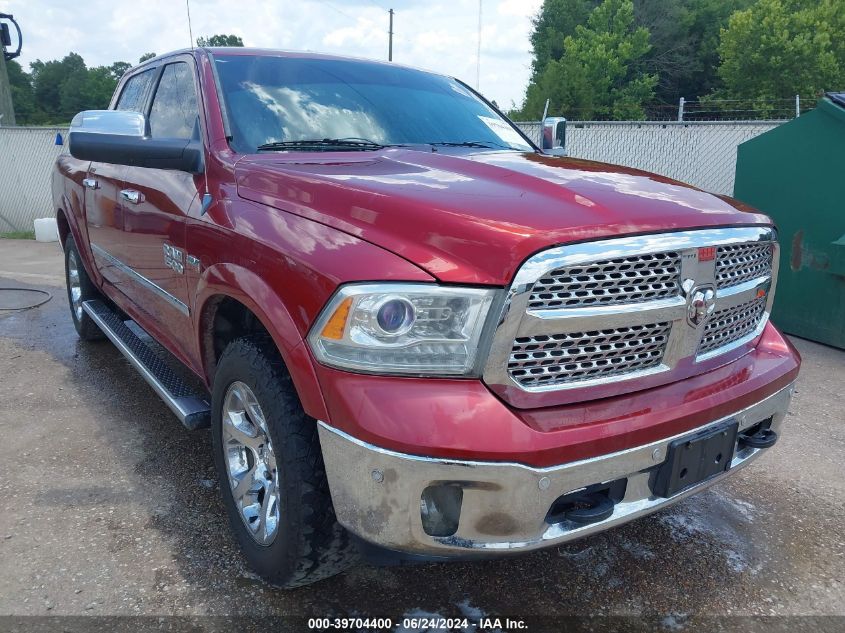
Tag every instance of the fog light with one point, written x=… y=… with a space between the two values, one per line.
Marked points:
x=440 y=509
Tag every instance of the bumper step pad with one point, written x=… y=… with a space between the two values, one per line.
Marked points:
x=189 y=405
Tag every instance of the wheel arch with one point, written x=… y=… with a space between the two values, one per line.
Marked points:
x=63 y=225
x=232 y=301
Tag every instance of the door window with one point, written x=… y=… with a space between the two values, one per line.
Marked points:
x=135 y=92
x=174 y=111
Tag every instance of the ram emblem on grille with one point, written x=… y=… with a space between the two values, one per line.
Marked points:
x=701 y=301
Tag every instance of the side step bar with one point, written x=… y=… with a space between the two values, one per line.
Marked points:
x=190 y=407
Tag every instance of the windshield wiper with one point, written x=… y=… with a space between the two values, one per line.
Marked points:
x=323 y=144
x=482 y=144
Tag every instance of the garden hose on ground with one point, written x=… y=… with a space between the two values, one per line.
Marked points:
x=9 y=303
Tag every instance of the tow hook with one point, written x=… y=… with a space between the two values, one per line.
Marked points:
x=758 y=436
x=590 y=509
x=589 y=505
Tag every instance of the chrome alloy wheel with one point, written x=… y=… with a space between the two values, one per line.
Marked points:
x=74 y=285
x=250 y=463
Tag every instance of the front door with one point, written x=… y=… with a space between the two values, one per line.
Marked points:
x=155 y=204
x=102 y=185
x=104 y=216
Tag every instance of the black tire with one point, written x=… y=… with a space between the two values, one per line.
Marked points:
x=85 y=326
x=309 y=544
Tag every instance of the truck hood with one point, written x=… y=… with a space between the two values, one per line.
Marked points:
x=475 y=217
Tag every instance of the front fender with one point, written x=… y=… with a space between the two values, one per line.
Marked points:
x=238 y=283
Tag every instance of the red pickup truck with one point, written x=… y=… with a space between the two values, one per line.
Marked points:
x=414 y=334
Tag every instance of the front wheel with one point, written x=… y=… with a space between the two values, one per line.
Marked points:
x=80 y=288
x=271 y=469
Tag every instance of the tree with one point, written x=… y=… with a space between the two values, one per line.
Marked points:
x=99 y=87
x=779 y=48
x=117 y=69
x=62 y=88
x=23 y=98
x=597 y=75
x=555 y=21
x=145 y=57
x=220 y=40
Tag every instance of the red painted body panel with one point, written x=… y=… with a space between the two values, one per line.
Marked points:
x=461 y=419
x=475 y=217
x=285 y=230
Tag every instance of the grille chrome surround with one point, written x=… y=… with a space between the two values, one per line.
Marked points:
x=732 y=324
x=737 y=263
x=539 y=355
x=576 y=356
x=632 y=279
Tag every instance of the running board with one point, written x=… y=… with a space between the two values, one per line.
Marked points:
x=190 y=407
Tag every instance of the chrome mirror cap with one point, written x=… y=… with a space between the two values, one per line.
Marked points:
x=554 y=136
x=116 y=122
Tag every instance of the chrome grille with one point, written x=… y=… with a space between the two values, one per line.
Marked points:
x=634 y=279
x=599 y=319
x=737 y=263
x=579 y=356
x=731 y=324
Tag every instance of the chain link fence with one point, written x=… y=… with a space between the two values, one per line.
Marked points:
x=27 y=155
x=701 y=153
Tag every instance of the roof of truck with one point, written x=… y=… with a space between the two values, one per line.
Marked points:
x=275 y=52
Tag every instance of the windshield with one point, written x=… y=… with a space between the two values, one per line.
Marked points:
x=288 y=99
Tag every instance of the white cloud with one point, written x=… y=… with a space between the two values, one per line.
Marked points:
x=438 y=35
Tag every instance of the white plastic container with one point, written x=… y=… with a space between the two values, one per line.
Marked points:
x=46 y=230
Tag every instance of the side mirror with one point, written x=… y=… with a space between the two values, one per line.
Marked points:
x=554 y=136
x=122 y=138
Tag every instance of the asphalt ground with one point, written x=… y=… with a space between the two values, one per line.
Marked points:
x=109 y=507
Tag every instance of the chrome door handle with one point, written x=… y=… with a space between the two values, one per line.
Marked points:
x=130 y=195
x=90 y=183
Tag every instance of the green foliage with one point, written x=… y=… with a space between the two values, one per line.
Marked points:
x=598 y=74
x=118 y=69
x=145 y=57
x=23 y=98
x=780 y=48
x=56 y=90
x=683 y=34
x=556 y=21
x=684 y=39
x=18 y=235
x=220 y=40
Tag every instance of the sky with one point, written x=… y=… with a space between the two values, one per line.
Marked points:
x=438 y=35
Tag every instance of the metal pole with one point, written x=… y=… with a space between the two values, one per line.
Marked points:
x=797 y=106
x=390 y=40
x=681 y=109
x=7 y=110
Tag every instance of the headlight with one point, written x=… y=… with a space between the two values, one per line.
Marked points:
x=396 y=328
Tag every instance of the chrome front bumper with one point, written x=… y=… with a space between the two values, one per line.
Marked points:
x=376 y=492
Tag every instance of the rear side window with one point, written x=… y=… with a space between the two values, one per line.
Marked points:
x=174 y=111
x=135 y=92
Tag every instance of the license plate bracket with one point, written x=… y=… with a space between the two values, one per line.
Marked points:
x=695 y=458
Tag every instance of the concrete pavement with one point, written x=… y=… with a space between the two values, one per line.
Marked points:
x=108 y=507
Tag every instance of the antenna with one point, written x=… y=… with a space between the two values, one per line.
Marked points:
x=190 y=30
x=478 y=54
x=390 y=40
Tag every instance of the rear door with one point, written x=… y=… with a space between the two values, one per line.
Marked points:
x=102 y=185
x=155 y=205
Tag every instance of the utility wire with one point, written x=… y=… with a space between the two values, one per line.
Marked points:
x=334 y=8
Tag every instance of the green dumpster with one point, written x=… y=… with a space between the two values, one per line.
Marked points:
x=796 y=174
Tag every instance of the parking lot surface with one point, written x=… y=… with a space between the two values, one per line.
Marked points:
x=108 y=506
